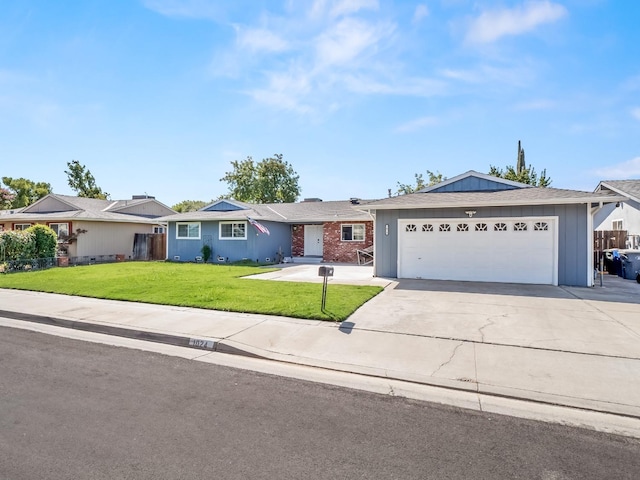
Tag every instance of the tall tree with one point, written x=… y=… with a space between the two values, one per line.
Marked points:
x=434 y=178
x=21 y=192
x=521 y=173
x=82 y=181
x=6 y=197
x=271 y=180
x=189 y=206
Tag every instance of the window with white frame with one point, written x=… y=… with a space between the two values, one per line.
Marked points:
x=617 y=225
x=188 y=230
x=233 y=230
x=21 y=226
x=353 y=233
x=60 y=228
x=158 y=229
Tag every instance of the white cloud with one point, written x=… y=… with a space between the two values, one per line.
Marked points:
x=259 y=39
x=346 y=7
x=492 y=25
x=348 y=39
x=285 y=91
x=417 y=124
x=210 y=9
x=635 y=113
x=518 y=75
x=624 y=170
x=419 y=87
x=338 y=8
x=421 y=12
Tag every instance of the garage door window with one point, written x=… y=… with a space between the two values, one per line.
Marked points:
x=500 y=227
x=540 y=226
x=462 y=227
x=481 y=227
x=427 y=227
x=445 y=227
x=520 y=227
x=410 y=228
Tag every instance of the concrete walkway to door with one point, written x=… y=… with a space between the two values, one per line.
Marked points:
x=573 y=347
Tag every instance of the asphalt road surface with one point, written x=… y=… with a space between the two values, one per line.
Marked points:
x=77 y=410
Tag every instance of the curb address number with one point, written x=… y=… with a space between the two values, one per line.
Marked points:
x=196 y=342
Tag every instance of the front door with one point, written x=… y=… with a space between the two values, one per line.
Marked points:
x=313 y=240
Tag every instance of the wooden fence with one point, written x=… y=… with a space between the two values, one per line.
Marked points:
x=150 y=246
x=607 y=240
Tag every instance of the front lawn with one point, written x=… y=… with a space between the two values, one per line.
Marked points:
x=216 y=287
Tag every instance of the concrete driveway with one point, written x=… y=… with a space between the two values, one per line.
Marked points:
x=559 y=345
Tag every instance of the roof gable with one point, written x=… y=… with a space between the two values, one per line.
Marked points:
x=224 y=206
x=473 y=181
x=50 y=203
x=143 y=207
x=628 y=188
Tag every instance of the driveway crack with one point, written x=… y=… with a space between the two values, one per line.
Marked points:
x=448 y=361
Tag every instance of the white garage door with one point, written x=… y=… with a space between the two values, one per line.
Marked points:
x=517 y=250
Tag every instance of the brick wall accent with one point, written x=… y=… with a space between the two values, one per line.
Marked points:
x=297 y=241
x=335 y=250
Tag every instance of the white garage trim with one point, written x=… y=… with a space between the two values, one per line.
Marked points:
x=500 y=249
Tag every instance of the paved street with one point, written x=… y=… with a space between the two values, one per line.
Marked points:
x=79 y=410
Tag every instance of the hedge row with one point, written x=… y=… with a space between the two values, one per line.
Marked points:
x=37 y=241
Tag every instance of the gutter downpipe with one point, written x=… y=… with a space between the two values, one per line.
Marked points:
x=590 y=266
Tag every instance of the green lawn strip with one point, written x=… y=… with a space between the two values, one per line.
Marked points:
x=215 y=287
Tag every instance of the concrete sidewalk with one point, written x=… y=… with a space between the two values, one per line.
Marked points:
x=578 y=348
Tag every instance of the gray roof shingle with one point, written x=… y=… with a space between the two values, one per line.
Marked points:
x=518 y=196
x=630 y=188
x=301 y=212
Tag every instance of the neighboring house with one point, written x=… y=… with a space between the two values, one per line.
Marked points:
x=621 y=215
x=478 y=227
x=108 y=226
x=315 y=230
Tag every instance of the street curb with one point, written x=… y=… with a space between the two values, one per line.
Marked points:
x=215 y=345
x=208 y=344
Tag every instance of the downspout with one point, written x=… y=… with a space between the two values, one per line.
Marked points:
x=590 y=268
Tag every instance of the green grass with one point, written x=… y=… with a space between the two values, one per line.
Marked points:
x=216 y=287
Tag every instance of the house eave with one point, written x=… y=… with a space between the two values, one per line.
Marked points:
x=493 y=203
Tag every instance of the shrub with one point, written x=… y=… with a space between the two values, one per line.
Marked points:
x=46 y=241
x=206 y=252
x=17 y=245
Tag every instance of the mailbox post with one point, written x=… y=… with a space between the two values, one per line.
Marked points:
x=325 y=272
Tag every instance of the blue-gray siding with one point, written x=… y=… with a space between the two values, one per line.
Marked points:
x=257 y=246
x=473 y=184
x=222 y=206
x=573 y=235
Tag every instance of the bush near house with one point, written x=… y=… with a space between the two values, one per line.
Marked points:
x=45 y=241
x=17 y=245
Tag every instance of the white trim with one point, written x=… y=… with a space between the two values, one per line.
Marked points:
x=590 y=252
x=621 y=220
x=554 y=219
x=59 y=223
x=178 y=237
x=232 y=222
x=352 y=225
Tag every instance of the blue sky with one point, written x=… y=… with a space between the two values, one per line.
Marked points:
x=159 y=96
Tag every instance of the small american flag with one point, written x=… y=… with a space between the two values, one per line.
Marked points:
x=261 y=228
